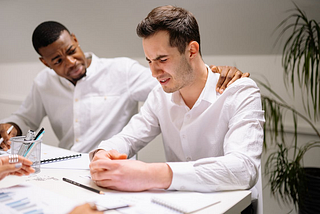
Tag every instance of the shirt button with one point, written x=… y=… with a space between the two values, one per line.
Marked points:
x=76 y=100
x=105 y=98
x=76 y=120
x=77 y=140
x=189 y=159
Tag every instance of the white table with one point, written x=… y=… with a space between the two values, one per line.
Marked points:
x=51 y=179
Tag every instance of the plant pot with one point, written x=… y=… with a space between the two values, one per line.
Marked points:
x=311 y=199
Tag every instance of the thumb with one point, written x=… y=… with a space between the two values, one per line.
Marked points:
x=8 y=168
x=116 y=155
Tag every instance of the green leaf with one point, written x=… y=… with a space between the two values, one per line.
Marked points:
x=300 y=60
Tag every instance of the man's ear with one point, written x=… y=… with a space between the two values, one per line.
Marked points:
x=193 y=49
x=44 y=62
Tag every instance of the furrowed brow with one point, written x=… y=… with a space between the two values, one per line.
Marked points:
x=56 y=57
x=69 y=48
x=160 y=57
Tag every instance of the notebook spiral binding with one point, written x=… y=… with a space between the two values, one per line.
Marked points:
x=59 y=158
x=168 y=205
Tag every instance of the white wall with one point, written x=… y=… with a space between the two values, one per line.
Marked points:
x=107 y=27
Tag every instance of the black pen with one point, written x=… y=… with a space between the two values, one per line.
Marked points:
x=32 y=145
x=39 y=134
x=83 y=186
x=114 y=208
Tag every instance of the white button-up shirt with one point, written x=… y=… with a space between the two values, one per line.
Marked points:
x=97 y=108
x=214 y=146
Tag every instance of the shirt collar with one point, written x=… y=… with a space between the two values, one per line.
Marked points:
x=92 y=67
x=209 y=93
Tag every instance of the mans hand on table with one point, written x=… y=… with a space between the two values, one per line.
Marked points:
x=111 y=170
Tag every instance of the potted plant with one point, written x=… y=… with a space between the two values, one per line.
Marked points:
x=289 y=180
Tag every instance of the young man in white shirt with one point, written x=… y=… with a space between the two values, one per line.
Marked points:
x=212 y=141
x=87 y=99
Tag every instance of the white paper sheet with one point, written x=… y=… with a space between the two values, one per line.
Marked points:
x=142 y=202
x=49 y=152
x=25 y=198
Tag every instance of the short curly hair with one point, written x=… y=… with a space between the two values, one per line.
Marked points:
x=46 y=33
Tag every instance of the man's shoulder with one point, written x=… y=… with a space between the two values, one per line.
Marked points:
x=243 y=83
x=45 y=74
x=240 y=89
x=46 y=77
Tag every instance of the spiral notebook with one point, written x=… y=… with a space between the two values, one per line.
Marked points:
x=57 y=158
x=51 y=160
x=185 y=202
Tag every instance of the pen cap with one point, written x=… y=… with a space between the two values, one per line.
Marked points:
x=30 y=135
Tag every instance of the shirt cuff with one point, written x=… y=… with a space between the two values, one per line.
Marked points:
x=92 y=153
x=184 y=177
x=13 y=119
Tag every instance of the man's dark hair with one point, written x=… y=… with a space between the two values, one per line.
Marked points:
x=181 y=25
x=47 y=33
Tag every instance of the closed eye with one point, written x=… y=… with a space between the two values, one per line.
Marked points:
x=72 y=51
x=58 y=61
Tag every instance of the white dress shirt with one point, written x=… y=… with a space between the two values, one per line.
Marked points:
x=97 y=108
x=214 y=146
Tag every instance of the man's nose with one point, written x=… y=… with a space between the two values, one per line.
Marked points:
x=70 y=61
x=155 y=69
